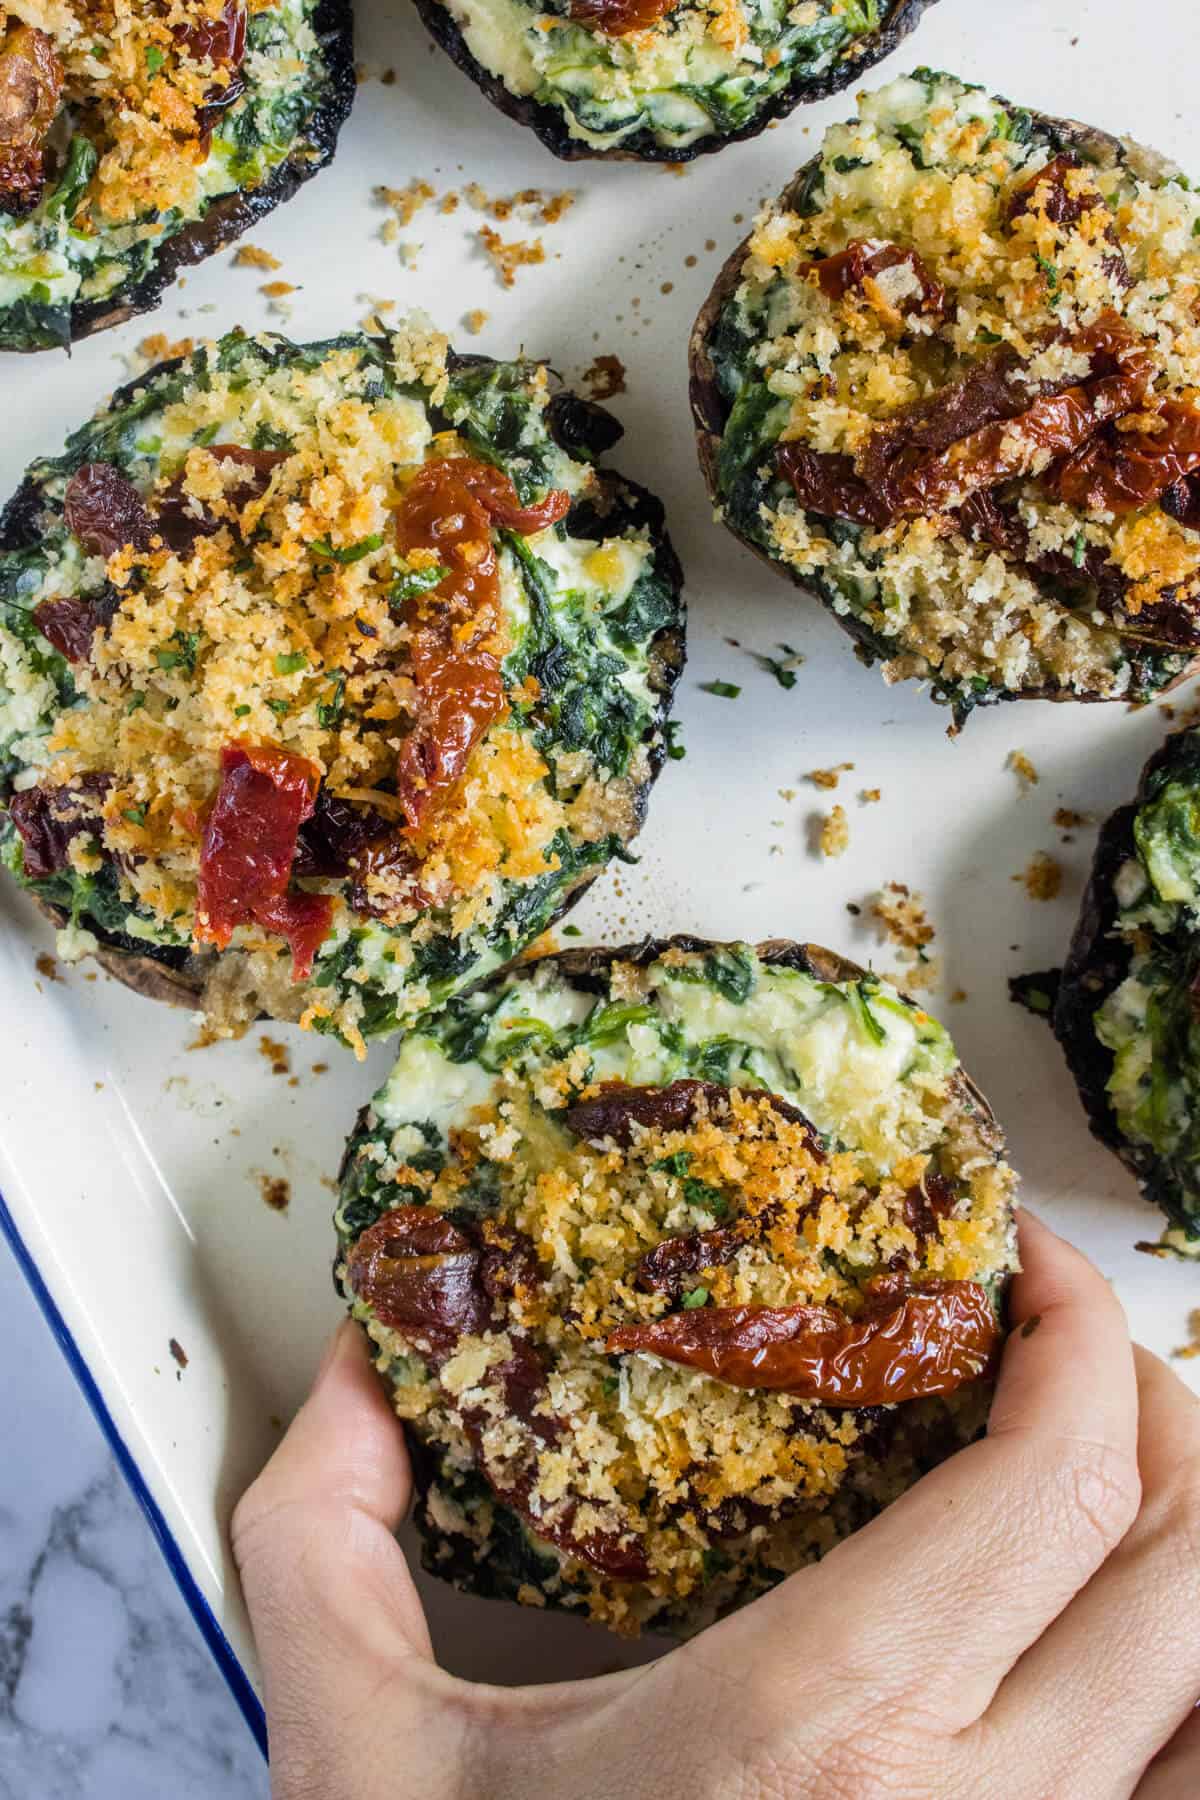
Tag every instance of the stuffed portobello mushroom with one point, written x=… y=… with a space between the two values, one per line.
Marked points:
x=330 y=674
x=680 y=1262
x=661 y=80
x=949 y=384
x=136 y=139
x=1125 y=1008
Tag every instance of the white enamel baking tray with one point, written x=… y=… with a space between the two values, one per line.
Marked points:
x=131 y=1162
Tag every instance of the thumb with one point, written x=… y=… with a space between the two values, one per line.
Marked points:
x=326 y=1584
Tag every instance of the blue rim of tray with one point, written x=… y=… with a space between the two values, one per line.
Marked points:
x=222 y=1650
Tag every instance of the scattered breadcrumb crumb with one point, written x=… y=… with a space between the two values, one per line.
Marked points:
x=1022 y=768
x=249 y=256
x=533 y=203
x=835 y=832
x=405 y=202
x=1067 y=819
x=476 y=320
x=507 y=258
x=178 y=1352
x=276 y=1191
x=828 y=778
x=276 y=290
x=605 y=377
x=787 y=793
x=46 y=965
x=1043 y=878
x=159 y=348
x=900 y=917
x=869 y=796
x=276 y=1054
x=958 y=996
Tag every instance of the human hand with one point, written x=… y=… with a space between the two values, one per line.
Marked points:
x=1024 y=1624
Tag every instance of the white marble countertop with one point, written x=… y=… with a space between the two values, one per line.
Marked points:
x=107 y=1690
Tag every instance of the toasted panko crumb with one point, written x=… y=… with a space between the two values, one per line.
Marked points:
x=1192 y=1347
x=406 y=202
x=869 y=796
x=249 y=256
x=1042 y=878
x=159 y=348
x=1067 y=819
x=1022 y=768
x=508 y=257
x=901 y=917
x=958 y=996
x=834 y=835
x=276 y=290
x=828 y=778
x=475 y=320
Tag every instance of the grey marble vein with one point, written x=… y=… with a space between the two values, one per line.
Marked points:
x=107 y=1691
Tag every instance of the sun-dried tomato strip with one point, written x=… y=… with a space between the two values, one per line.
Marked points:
x=616 y=1108
x=1181 y=502
x=249 y=844
x=31 y=80
x=1053 y=425
x=180 y=518
x=617 y=18
x=419 y=1273
x=303 y=920
x=1064 y=202
x=221 y=41
x=70 y=624
x=103 y=509
x=669 y=1267
x=861 y=264
x=826 y=483
x=1122 y=471
x=48 y=818
x=903 y=1345
x=448 y=512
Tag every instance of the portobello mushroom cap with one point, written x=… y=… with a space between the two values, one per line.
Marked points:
x=589 y=675
x=594 y=1224
x=1130 y=974
x=29 y=323
x=551 y=123
x=1155 y=657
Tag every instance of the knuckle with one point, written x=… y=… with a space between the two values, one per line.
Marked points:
x=1088 y=1491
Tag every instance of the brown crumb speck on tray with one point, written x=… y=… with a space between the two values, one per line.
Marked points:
x=834 y=835
x=604 y=377
x=276 y=1191
x=1022 y=768
x=869 y=796
x=475 y=320
x=276 y=1054
x=46 y=965
x=1067 y=819
x=178 y=1352
x=320 y=1068
x=1042 y=877
x=405 y=202
x=388 y=78
x=828 y=778
x=958 y=996
x=508 y=257
x=249 y=256
x=900 y=919
x=276 y=290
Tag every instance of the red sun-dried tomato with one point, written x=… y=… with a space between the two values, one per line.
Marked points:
x=31 y=79
x=249 y=844
x=1057 y=422
x=1047 y=191
x=618 y=1107
x=865 y=260
x=336 y=837
x=69 y=625
x=47 y=818
x=671 y=1265
x=449 y=510
x=302 y=920
x=826 y=483
x=617 y=18
x=220 y=40
x=103 y=509
x=1124 y=470
x=905 y=1344
x=419 y=1273
x=1181 y=501
x=180 y=518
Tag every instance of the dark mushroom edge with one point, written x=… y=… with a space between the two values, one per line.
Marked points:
x=911 y=408
x=580 y=89
x=680 y=1261
x=1125 y=1008
x=263 y=749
